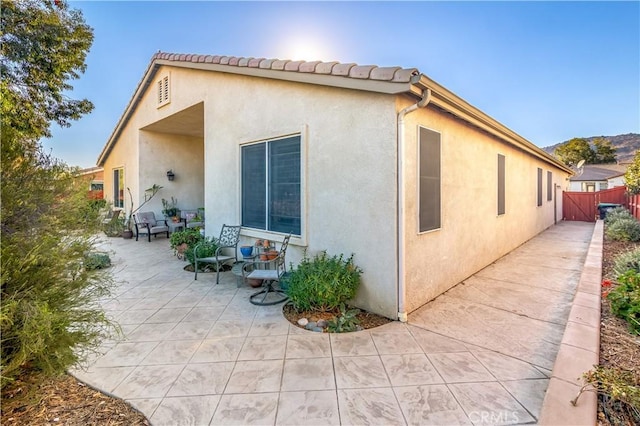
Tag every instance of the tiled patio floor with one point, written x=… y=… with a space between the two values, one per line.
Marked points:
x=199 y=353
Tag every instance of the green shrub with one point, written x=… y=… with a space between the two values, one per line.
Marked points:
x=345 y=322
x=206 y=248
x=616 y=214
x=624 y=230
x=189 y=236
x=625 y=300
x=93 y=261
x=624 y=262
x=323 y=283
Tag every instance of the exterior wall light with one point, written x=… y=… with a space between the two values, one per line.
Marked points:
x=170 y=175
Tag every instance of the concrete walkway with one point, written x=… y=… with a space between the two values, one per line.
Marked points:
x=199 y=353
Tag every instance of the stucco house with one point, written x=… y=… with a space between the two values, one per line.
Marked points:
x=597 y=177
x=382 y=162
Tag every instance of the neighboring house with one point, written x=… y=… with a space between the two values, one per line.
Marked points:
x=95 y=180
x=385 y=163
x=596 y=177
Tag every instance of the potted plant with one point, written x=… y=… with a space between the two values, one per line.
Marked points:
x=181 y=240
x=170 y=209
x=149 y=193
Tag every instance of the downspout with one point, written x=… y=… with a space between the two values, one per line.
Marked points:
x=426 y=97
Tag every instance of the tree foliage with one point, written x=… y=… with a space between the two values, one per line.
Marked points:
x=48 y=313
x=43 y=45
x=632 y=176
x=604 y=151
x=575 y=150
x=578 y=149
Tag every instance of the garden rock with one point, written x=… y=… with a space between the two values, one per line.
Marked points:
x=303 y=322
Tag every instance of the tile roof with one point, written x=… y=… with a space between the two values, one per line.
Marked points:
x=350 y=70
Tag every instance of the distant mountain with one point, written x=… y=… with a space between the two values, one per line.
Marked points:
x=625 y=145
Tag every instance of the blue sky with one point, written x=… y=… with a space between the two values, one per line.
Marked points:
x=549 y=71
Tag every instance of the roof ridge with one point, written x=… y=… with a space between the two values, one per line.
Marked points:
x=393 y=74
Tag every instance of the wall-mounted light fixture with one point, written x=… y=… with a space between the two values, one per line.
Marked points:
x=170 y=175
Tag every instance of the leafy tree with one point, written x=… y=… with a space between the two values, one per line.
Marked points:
x=632 y=176
x=48 y=316
x=43 y=45
x=604 y=151
x=575 y=150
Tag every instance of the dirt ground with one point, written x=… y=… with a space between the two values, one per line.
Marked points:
x=34 y=400
x=366 y=319
x=618 y=347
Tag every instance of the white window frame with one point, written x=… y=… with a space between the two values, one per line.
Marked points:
x=418 y=187
x=117 y=203
x=267 y=233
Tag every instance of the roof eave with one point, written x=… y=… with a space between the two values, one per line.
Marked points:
x=131 y=106
x=448 y=101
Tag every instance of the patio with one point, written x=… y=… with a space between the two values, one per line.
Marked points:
x=199 y=353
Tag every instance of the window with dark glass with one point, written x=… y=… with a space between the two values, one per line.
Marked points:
x=118 y=188
x=549 y=186
x=271 y=188
x=429 y=184
x=539 y=187
x=501 y=184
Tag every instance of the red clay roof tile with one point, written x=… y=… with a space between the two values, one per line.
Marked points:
x=349 y=70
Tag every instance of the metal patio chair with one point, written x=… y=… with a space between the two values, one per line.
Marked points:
x=229 y=238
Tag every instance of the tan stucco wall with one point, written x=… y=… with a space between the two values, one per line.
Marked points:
x=348 y=177
x=348 y=153
x=472 y=235
x=184 y=155
x=147 y=156
x=123 y=155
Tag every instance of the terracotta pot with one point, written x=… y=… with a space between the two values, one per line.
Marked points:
x=272 y=254
x=254 y=282
x=182 y=247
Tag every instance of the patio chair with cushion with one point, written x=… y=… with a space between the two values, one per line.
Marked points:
x=229 y=238
x=146 y=223
x=270 y=272
x=191 y=219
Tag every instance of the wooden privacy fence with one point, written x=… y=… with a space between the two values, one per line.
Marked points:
x=583 y=206
x=633 y=204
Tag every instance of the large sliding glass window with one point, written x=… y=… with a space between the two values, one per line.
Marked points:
x=429 y=175
x=271 y=188
x=118 y=187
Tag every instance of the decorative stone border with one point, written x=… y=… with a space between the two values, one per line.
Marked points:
x=580 y=347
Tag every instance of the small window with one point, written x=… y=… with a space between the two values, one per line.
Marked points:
x=501 y=184
x=429 y=175
x=118 y=187
x=271 y=185
x=549 y=186
x=163 y=91
x=539 y=187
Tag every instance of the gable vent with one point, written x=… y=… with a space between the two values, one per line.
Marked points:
x=163 y=91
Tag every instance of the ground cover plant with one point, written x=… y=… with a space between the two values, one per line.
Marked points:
x=617 y=378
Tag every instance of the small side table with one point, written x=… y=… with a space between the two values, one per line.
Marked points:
x=175 y=226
